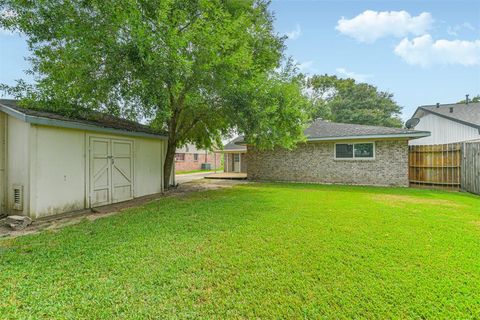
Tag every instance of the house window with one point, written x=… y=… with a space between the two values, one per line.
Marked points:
x=355 y=150
x=179 y=156
x=195 y=157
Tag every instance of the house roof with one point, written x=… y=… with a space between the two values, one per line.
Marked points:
x=234 y=146
x=95 y=121
x=326 y=130
x=321 y=130
x=467 y=114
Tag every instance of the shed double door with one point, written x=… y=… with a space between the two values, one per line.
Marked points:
x=111 y=171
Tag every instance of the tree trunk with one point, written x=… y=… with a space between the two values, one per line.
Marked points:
x=168 y=166
x=176 y=107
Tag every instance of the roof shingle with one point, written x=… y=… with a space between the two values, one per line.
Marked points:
x=234 y=146
x=326 y=129
x=93 y=118
x=468 y=114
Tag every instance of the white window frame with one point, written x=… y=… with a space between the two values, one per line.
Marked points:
x=354 y=158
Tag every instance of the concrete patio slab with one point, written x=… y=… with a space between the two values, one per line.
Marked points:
x=228 y=175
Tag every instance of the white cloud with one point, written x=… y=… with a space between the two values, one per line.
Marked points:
x=356 y=76
x=295 y=33
x=453 y=31
x=304 y=66
x=372 y=25
x=424 y=51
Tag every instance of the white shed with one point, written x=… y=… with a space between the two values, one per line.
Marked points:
x=51 y=164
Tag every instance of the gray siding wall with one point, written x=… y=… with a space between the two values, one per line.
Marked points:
x=228 y=163
x=314 y=162
x=443 y=131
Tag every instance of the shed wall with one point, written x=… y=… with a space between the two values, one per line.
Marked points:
x=58 y=171
x=3 y=119
x=17 y=162
x=148 y=166
x=59 y=168
x=314 y=162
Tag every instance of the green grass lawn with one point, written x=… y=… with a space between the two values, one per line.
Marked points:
x=257 y=251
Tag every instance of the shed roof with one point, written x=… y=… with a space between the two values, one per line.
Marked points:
x=95 y=121
x=467 y=114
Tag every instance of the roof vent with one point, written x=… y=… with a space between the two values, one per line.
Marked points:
x=466 y=99
x=438 y=104
x=451 y=109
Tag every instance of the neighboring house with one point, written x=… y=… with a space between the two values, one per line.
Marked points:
x=190 y=158
x=339 y=153
x=50 y=164
x=448 y=123
x=234 y=159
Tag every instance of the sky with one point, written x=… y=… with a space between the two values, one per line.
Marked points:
x=423 y=52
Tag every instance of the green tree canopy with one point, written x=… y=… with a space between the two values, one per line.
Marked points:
x=197 y=69
x=473 y=99
x=344 y=100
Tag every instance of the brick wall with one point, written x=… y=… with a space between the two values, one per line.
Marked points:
x=314 y=162
x=190 y=164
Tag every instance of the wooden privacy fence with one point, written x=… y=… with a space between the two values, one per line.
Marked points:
x=471 y=167
x=436 y=165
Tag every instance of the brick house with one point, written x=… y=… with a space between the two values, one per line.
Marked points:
x=190 y=158
x=338 y=153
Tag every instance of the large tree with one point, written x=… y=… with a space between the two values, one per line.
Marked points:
x=196 y=69
x=345 y=100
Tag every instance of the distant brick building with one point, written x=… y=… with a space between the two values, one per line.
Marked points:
x=190 y=158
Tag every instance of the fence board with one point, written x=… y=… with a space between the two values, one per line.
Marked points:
x=471 y=167
x=437 y=166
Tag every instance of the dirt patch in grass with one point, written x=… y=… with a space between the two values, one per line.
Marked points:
x=395 y=200
x=57 y=222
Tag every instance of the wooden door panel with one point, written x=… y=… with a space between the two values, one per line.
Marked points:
x=122 y=170
x=100 y=172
